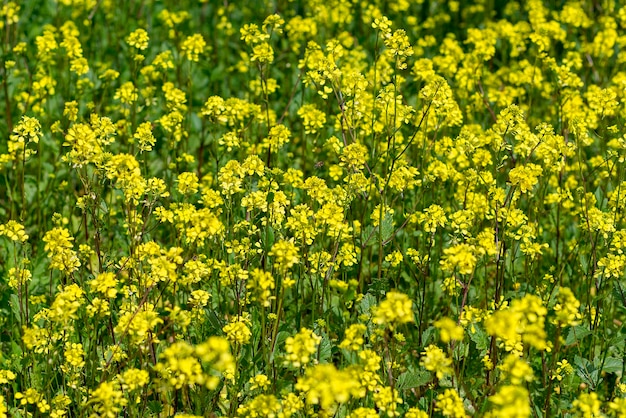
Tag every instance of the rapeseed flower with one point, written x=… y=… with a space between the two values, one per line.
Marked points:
x=301 y=347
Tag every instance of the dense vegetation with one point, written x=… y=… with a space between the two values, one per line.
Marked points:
x=332 y=208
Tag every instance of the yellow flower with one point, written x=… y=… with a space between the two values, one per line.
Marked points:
x=237 y=332
x=327 y=387
x=313 y=119
x=132 y=378
x=450 y=404
x=525 y=176
x=587 y=405
x=107 y=399
x=433 y=217
x=511 y=401
x=449 y=330
x=354 y=337
x=301 y=347
x=6 y=376
x=14 y=231
x=395 y=310
x=188 y=183
x=193 y=46
x=144 y=136
x=138 y=39
x=127 y=93
x=285 y=255
x=567 y=308
x=435 y=360
x=260 y=381
x=105 y=283
x=516 y=370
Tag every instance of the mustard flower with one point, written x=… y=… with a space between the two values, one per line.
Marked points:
x=395 y=310
x=613 y=265
x=144 y=137
x=279 y=135
x=251 y=34
x=127 y=93
x=199 y=298
x=567 y=308
x=354 y=337
x=3 y=408
x=262 y=53
x=85 y=145
x=105 y=283
x=298 y=28
x=285 y=255
x=26 y=131
x=179 y=366
x=564 y=368
x=313 y=119
x=450 y=404
x=164 y=60
x=449 y=330
x=415 y=413
x=460 y=257
x=107 y=400
x=387 y=400
x=274 y=23
x=522 y=322
x=14 y=231
x=363 y=412
x=132 y=378
x=188 y=183
x=10 y=14
x=74 y=355
x=237 y=332
x=433 y=217
x=138 y=39
x=6 y=376
x=66 y=304
x=301 y=347
x=260 y=381
x=33 y=397
x=327 y=387
x=300 y=223
x=138 y=323
x=80 y=66
x=587 y=405
x=394 y=258
x=525 y=176
x=516 y=370
x=510 y=401
x=435 y=360
x=260 y=406
x=617 y=407
x=260 y=285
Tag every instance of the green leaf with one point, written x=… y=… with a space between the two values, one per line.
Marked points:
x=620 y=293
x=480 y=338
x=325 y=350
x=576 y=334
x=387 y=227
x=366 y=303
x=413 y=379
x=427 y=335
x=586 y=371
x=612 y=365
x=15 y=305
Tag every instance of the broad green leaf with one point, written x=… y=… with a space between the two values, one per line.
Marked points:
x=413 y=379
x=586 y=371
x=576 y=334
x=612 y=365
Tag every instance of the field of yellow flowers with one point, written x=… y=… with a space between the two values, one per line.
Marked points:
x=312 y=208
